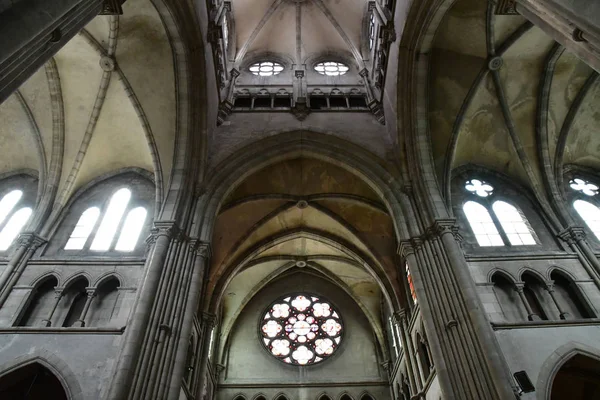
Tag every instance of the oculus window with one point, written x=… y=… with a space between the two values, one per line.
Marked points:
x=301 y=329
x=588 y=211
x=331 y=68
x=266 y=68
x=495 y=222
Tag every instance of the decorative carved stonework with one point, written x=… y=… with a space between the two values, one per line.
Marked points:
x=572 y=234
x=27 y=239
x=506 y=7
x=225 y=109
x=405 y=248
x=301 y=110
x=112 y=7
x=377 y=110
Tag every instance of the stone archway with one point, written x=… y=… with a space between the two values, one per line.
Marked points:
x=577 y=379
x=32 y=382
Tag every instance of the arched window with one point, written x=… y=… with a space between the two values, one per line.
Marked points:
x=13 y=227
x=82 y=230
x=482 y=225
x=411 y=285
x=590 y=215
x=495 y=222
x=423 y=353
x=8 y=202
x=586 y=203
x=40 y=303
x=114 y=220
x=513 y=223
x=331 y=68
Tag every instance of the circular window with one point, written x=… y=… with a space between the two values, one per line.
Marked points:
x=301 y=329
x=266 y=68
x=331 y=68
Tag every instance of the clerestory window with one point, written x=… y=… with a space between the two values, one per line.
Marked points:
x=119 y=228
x=586 y=193
x=331 y=68
x=12 y=218
x=495 y=222
x=266 y=68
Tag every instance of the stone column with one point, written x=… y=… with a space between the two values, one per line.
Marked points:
x=58 y=292
x=91 y=293
x=32 y=31
x=208 y=324
x=550 y=289
x=400 y=317
x=530 y=314
x=465 y=351
x=27 y=243
x=575 y=237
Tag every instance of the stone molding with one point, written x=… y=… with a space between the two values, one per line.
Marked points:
x=572 y=234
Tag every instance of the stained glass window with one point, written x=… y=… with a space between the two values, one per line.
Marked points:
x=301 y=329
x=411 y=285
x=266 y=68
x=331 y=68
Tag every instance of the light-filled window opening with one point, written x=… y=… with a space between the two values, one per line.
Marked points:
x=225 y=28
x=331 y=68
x=8 y=202
x=83 y=229
x=480 y=188
x=13 y=227
x=266 y=68
x=371 y=30
x=301 y=329
x=482 y=225
x=584 y=187
x=411 y=285
x=131 y=229
x=590 y=214
x=110 y=222
x=513 y=224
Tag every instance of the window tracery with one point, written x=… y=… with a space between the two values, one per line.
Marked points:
x=301 y=329
x=331 y=68
x=495 y=222
x=266 y=68
x=371 y=31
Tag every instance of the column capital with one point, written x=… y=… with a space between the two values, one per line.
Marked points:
x=234 y=73
x=112 y=7
x=27 y=239
x=200 y=248
x=209 y=320
x=165 y=228
x=371 y=6
x=572 y=234
x=364 y=73
x=399 y=316
x=506 y=7
x=405 y=248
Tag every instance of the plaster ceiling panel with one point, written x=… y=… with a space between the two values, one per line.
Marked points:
x=247 y=14
x=505 y=26
x=303 y=177
x=243 y=217
x=319 y=36
x=583 y=142
x=349 y=15
x=99 y=29
x=452 y=76
x=18 y=139
x=80 y=76
x=302 y=247
x=463 y=29
x=569 y=77
x=36 y=93
x=533 y=45
x=118 y=140
x=279 y=33
x=483 y=138
x=145 y=57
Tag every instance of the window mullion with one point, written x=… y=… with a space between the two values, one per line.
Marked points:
x=117 y=234
x=496 y=221
x=92 y=235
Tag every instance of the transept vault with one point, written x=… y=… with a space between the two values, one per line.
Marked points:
x=299 y=199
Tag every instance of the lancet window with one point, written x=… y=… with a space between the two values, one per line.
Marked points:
x=116 y=226
x=495 y=222
x=585 y=203
x=16 y=207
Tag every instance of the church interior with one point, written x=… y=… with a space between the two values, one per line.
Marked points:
x=300 y=199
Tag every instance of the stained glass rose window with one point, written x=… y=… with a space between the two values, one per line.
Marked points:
x=301 y=329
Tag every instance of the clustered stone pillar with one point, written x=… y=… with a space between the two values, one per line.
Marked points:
x=151 y=362
x=465 y=351
x=32 y=31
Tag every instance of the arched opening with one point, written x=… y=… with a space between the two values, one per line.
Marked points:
x=577 y=379
x=31 y=382
x=423 y=353
x=106 y=304
x=366 y=396
x=346 y=396
x=40 y=303
x=73 y=302
x=508 y=298
x=324 y=397
x=569 y=297
x=533 y=290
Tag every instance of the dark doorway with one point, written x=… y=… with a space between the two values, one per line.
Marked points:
x=577 y=379
x=31 y=382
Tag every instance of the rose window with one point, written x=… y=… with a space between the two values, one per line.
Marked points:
x=301 y=329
